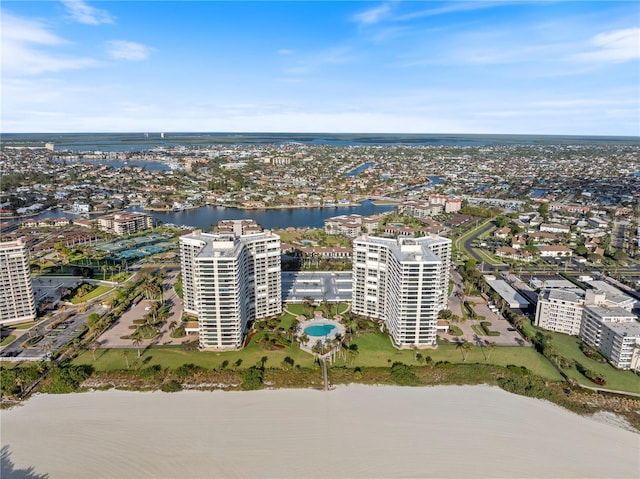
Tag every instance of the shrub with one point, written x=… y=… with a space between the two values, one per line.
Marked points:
x=455 y=330
x=252 y=378
x=171 y=386
x=403 y=374
x=67 y=379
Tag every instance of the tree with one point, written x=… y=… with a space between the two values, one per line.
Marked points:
x=543 y=209
x=126 y=358
x=263 y=361
x=465 y=347
x=490 y=347
x=93 y=346
x=92 y=320
x=172 y=326
x=137 y=341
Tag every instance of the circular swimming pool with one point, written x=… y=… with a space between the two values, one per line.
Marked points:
x=319 y=330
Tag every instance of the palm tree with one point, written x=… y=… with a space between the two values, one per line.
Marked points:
x=263 y=361
x=137 y=341
x=465 y=347
x=490 y=347
x=20 y=383
x=172 y=326
x=93 y=346
x=126 y=358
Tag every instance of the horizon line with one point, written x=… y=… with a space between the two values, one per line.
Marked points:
x=158 y=132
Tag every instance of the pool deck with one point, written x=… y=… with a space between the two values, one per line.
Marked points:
x=318 y=320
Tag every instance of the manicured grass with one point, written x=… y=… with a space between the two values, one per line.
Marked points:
x=487 y=257
x=93 y=294
x=567 y=346
x=286 y=320
x=173 y=357
x=375 y=349
x=27 y=325
x=8 y=340
x=297 y=308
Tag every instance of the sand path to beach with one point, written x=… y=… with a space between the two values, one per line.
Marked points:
x=352 y=432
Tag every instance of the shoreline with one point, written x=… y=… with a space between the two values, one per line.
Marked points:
x=356 y=431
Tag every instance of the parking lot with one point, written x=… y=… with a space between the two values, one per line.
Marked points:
x=56 y=334
x=333 y=286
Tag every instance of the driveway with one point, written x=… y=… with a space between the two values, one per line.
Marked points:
x=112 y=338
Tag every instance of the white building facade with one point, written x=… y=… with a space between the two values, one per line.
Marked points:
x=17 y=302
x=614 y=332
x=560 y=310
x=229 y=281
x=403 y=282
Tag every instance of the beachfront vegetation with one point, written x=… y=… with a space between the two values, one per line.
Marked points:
x=568 y=348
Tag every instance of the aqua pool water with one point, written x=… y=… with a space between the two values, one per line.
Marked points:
x=318 y=330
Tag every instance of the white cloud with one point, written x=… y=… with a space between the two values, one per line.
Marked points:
x=450 y=8
x=373 y=15
x=285 y=51
x=124 y=50
x=615 y=46
x=83 y=13
x=24 y=48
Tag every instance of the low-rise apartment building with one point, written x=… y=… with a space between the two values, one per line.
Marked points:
x=615 y=332
x=125 y=223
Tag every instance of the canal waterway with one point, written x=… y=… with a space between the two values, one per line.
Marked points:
x=206 y=216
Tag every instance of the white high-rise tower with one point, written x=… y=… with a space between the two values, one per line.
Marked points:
x=404 y=282
x=230 y=280
x=17 y=303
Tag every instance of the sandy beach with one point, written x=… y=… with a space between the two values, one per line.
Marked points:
x=352 y=432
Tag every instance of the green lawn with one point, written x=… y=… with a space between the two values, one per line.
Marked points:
x=487 y=257
x=173 y=357
x=567 y=346
x=375 y=349
x=9 y=339
x=27 y=325
x=93 y=294
x=296 y=308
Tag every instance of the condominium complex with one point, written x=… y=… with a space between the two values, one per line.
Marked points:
x=404 y=282
x=125 y=223
x=560 y=310
x=17 y=302
x=615 y=332
x=229 y=281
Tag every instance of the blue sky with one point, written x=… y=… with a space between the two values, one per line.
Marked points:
x=415 y=67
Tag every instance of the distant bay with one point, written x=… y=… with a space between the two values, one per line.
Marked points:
x=145 y=141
